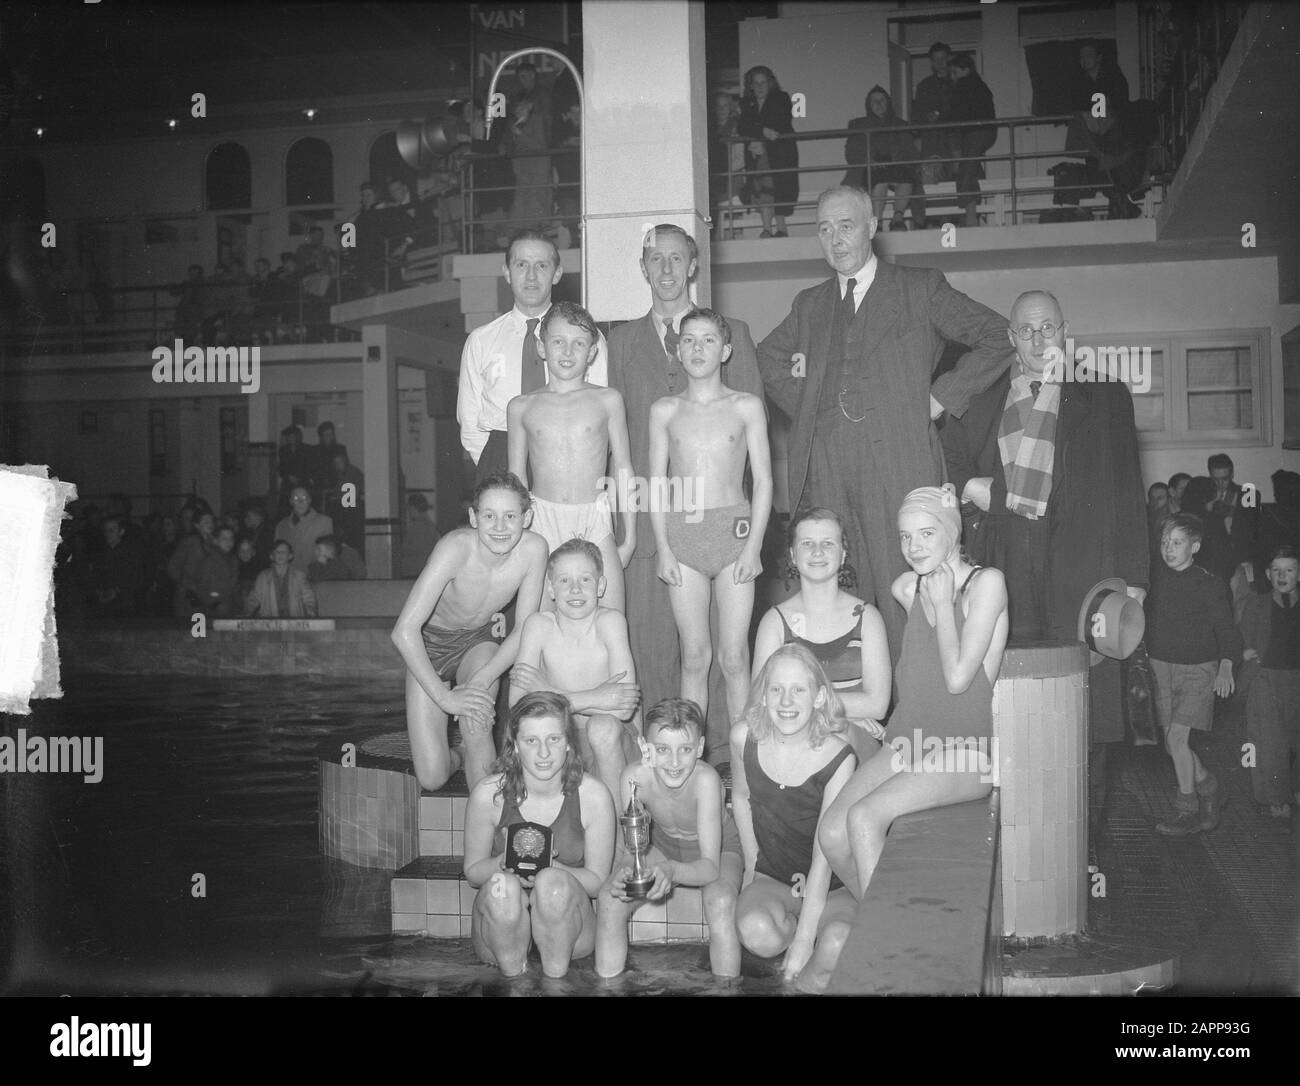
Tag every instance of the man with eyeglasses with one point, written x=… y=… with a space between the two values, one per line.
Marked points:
x=1052 y=495
x=302 y=527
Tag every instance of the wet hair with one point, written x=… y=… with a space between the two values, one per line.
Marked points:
x=540 y=703
x=652 y=235
x=1219 y=460
x=675 y=714
x=848 y=577
x=329 y=540
x=530 y=235
x=827 y=720
x=501 y=480
x=703 y=313
x=1186 y=523
x=937 y=47
x=574 y=314
x=584 y=547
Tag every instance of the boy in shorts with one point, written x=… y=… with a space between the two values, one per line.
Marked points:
x=565 y=432
x=1270 y=627
x=1193 y=641
x=694 y=841
x=452 y=627
x=580 y=649
x=711 y=544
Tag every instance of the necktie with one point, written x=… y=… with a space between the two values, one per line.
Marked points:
x=532 y=370
x=671 y=338
x=849 y=304
x=1034 y=387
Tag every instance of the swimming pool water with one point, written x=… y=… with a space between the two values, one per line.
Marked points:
x=213 y=783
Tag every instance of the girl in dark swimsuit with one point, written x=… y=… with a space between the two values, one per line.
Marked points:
x=789 y=761
x=845 y=634
x=952 y=650
x=539 y=779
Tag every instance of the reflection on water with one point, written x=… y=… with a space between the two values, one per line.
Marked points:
x=213 y=783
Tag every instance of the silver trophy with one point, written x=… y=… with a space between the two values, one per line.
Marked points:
x=636 y=837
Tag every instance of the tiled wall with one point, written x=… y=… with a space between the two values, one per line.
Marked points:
x=436 y=902
x=350 y=652
x=367 y=817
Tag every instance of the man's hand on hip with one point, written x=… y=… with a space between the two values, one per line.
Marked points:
x=978 y=490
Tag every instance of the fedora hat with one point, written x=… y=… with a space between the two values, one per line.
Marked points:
x=1111 y=622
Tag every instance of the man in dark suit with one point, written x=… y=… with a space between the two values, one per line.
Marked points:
x=1058 y=519
x=851 y=367
x=643 y=366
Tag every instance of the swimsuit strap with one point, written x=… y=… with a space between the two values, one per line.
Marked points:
x=789 y=633
x=969 y=577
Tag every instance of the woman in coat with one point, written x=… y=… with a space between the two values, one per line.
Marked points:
x=765 y=116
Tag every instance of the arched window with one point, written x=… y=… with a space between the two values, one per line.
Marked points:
x=386 y=163
x=309 y=173
x=229 y=178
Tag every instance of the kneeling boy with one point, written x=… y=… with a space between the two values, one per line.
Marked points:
x=694 y=841
x=452 y=625
x=581 y=650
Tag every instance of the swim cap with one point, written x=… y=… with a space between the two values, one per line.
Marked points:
x=939 y=502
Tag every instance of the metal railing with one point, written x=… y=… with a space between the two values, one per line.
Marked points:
x=1004 y=201
x=483 y=231
x=102 y=319
x=1183 y=49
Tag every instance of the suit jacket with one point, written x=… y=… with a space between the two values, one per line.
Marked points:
x=1097 y=509
x=642 y=371
x=899 y=335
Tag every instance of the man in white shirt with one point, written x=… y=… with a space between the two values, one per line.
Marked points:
x=502 y=358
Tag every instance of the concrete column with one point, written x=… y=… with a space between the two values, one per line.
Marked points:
x=384 y=348
x=379 y=444
x=646 y=141
x=1002 y=60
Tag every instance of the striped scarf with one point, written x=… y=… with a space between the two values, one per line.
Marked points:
x=1027 y=442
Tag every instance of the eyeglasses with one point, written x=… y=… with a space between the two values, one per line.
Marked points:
x=1047 y=331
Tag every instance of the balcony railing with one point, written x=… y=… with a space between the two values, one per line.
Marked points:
x=488 y=211
x=1022 y=196
x=73 y=321
x=1183 y=48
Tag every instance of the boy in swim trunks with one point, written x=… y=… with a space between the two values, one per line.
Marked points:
x=694 y=841
x=566 y=432
x=452 y=626
x=712 y=544
x=580 y=649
